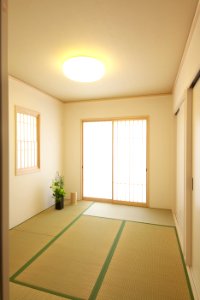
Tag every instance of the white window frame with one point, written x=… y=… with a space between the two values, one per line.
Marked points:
x=26 y=169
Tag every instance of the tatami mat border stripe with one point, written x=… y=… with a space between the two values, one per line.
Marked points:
x=184 y=266
x=46 y=247
x=106 y=264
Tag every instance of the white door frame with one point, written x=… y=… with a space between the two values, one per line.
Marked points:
x=4 y=177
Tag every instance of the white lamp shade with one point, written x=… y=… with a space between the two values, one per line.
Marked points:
x=83 y=69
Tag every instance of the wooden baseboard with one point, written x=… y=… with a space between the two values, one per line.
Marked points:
x=192 y=282
x=180 y=236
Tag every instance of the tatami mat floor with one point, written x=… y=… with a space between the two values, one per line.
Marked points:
x=31 y=236
x=18 y=292
x=131 y=213
x=87 y=241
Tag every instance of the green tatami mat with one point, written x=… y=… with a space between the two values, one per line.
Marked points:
x=19 y=292
x=23 y=246
x=147 y=265
x=131 y=213
x=51 y=221
x=71 y=265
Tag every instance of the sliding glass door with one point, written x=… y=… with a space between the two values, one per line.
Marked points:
x=115 y=160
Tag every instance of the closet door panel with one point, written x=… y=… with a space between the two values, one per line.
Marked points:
x=196 y=187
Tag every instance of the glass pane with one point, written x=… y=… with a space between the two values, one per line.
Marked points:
x=130 y=161
x=26 y=141
x=97 y=159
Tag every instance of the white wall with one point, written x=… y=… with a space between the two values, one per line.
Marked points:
x=162 y=141
x=30 y=193
x=190 y=63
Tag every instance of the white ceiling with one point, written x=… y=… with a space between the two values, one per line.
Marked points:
x=140 y=41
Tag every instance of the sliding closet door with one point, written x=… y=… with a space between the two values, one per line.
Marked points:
x=129 y=158
x=97 y=159
x=196 y=188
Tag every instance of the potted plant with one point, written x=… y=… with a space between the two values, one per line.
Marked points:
x=57 y=187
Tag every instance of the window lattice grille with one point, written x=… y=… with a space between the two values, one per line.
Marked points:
x=27 y=144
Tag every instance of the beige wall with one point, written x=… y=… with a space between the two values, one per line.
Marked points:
x=30 y=193
x=190 y=63
x=162 y=141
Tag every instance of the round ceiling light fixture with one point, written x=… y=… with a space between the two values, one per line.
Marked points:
x=83 y=69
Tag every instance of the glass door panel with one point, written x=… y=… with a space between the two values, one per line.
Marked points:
x=97 y=159
x=129 y=169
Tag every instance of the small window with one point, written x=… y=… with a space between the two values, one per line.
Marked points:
x=27 y=141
